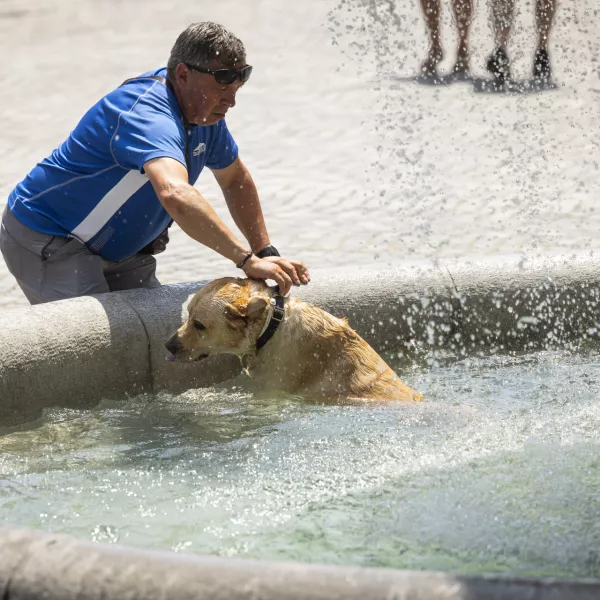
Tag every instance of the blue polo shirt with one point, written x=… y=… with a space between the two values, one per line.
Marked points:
x=93 y=187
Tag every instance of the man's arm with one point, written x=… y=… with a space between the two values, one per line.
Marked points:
x=242 y=201
x=190 y=210
x=196 y=217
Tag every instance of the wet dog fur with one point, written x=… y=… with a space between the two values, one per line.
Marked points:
x=312 y=353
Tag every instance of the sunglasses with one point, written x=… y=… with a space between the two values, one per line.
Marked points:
x=225 y=76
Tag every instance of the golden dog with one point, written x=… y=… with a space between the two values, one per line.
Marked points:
x=311 y=353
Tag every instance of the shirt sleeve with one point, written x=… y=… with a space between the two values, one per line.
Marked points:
x=147 y=131
x=223 y=149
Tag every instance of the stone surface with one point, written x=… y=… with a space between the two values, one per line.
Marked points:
x=58 y=567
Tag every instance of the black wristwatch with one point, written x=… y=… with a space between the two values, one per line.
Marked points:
x=268 y=251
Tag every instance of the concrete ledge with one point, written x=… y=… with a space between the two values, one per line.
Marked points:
x=76 y=352
x=526 y=303
x=70 y=354
x=57 y=567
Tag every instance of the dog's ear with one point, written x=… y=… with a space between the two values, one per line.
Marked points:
x=236 y=309
x=233 y=313
x=256 y=307
x=246 y=311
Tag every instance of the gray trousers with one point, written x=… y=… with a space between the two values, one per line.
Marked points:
x=50 y=267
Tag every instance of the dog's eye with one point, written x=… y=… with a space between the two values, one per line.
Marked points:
x=199 y=326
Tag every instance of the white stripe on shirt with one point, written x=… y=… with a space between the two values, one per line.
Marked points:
x=109 y=205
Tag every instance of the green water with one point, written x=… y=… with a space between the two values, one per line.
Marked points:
x=497 y=471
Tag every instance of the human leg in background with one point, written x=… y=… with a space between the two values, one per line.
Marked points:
x=498 y=64
x=435 y=54
x=463 y=14
x=544 y=13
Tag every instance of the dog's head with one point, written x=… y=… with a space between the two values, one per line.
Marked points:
x=225 y=317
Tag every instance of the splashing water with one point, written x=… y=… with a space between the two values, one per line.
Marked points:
x=497 y=471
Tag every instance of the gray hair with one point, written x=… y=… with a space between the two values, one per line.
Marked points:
x=202 y=42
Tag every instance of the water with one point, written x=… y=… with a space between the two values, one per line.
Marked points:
x=498 y=471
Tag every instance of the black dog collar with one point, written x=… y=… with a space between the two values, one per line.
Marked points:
x=277 y=304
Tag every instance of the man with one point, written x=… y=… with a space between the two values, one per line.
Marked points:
x=498 y=63
x=463 y=11
x=89 y=218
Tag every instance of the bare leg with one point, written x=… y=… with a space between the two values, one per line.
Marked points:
x=463 y=13
x=503 y=12
x=544 y=14
x=431 y=12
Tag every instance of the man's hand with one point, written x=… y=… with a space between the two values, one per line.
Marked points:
x=282 y=271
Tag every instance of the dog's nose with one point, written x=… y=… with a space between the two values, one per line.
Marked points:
x=173 y=344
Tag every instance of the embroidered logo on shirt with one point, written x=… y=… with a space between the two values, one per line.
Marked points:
x=199 y=149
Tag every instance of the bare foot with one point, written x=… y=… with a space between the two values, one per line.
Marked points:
x=461 y=70
x=429 y=65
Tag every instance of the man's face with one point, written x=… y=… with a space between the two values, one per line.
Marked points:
x=205 y=101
